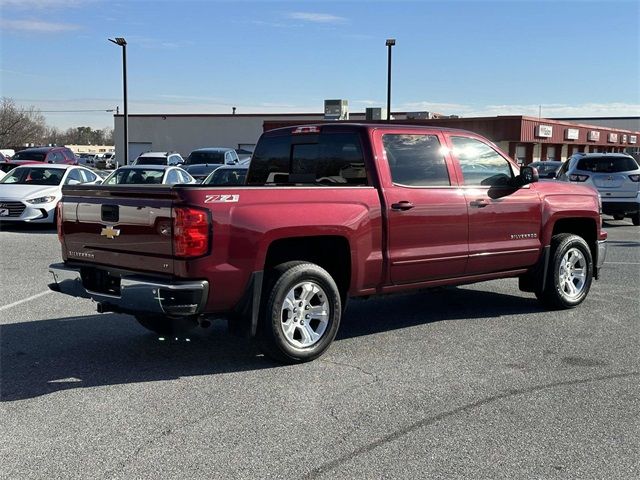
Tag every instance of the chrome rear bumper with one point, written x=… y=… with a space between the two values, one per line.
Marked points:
x=137 y=293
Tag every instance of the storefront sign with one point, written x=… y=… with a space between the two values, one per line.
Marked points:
x=544 y=131
x=571 y=134
x=612 y=138
x=593 y=136
x=633 y=138
x=624 y=138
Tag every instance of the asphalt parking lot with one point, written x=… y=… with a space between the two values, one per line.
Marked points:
x=470 y=382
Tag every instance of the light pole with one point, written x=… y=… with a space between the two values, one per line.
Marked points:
x=123 y=43
x=390 y=43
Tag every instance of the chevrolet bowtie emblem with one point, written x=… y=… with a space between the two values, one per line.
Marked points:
x=110 y=232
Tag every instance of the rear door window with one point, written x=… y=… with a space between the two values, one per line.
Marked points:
x=416 y=160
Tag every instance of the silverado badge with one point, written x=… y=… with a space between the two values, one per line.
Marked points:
x=110 y=232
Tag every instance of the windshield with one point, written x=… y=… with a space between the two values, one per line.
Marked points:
x=607 y=164
x=227 y=176
x=206 y=157
x=135 y=176
x=151 y=161
x=34 y=176
x=27 y=155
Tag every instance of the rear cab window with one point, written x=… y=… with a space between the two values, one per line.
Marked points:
x=607 y=164
x=326 y=158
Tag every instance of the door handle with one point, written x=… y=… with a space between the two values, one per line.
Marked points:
x=404 y=205
x=480 y=203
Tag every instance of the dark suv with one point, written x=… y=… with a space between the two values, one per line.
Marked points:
x=47 y=155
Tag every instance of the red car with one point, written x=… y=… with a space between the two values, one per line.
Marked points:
x=48 y=155
x=9 y=165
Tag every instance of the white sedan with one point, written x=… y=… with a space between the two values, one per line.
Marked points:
x=30 y=193
x=148 y=175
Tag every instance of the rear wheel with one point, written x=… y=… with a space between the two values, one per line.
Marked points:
x=569 y=274
x=300 y=314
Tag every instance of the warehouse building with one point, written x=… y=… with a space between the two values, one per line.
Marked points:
x=525 y=138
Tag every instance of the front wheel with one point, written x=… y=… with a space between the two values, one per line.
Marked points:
x=300 y=314
x=569 y=274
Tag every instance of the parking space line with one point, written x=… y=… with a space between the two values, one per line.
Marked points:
x=622 y=263
x=24 y=300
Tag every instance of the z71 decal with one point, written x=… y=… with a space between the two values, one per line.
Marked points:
x=221 y=198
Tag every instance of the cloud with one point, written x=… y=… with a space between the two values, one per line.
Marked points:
x=324 y=18
x=37 y=26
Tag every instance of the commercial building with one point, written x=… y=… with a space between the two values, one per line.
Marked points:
x=525 y=138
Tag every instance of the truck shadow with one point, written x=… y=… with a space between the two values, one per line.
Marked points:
x=42 y=357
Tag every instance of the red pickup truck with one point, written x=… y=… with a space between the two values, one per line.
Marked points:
x=328 y=211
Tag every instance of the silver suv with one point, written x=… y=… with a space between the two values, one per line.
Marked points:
x=615 y=175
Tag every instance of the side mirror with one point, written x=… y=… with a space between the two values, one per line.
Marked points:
x=528 y=175
x=98 y=182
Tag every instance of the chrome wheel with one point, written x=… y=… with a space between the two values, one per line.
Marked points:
x=572 y=273
x=305 y=314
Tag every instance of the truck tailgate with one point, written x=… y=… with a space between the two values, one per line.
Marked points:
x=128 y=228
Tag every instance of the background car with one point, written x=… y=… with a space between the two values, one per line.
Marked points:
x=615 y=175
x=228 y=175
x=201 y=171
x=30 y=193
x=547 y=169
x=61 y=155
x=159 y=158
x=244 y=154
x=11 y=164
x=86 y=159
x=212 y=155
x=148 y=175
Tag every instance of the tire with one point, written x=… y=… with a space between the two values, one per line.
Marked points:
x=288 y=334
x=165 y=326
x=569 y=274
x=618 y=217
x=636 y=219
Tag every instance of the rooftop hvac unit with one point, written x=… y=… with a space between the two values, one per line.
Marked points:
x=336 y=110
x=376 y=113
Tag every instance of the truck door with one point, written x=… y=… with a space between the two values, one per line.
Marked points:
x=504 y=222
x=426 y=211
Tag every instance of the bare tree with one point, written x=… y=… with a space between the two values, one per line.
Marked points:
x=18 y=125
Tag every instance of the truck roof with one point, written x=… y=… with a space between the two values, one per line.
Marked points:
x=351 y=126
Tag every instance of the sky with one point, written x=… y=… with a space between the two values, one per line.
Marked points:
x=471 y=58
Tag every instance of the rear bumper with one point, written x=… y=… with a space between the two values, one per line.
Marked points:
x=620 y=207
x=138 y=293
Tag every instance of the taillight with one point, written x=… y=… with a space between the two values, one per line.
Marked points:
x=634 y=178
x=59 y=220
x=578 y=178
x=191 y=232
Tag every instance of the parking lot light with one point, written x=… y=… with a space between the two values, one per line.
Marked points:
x=389 y=43
x=120 y=41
